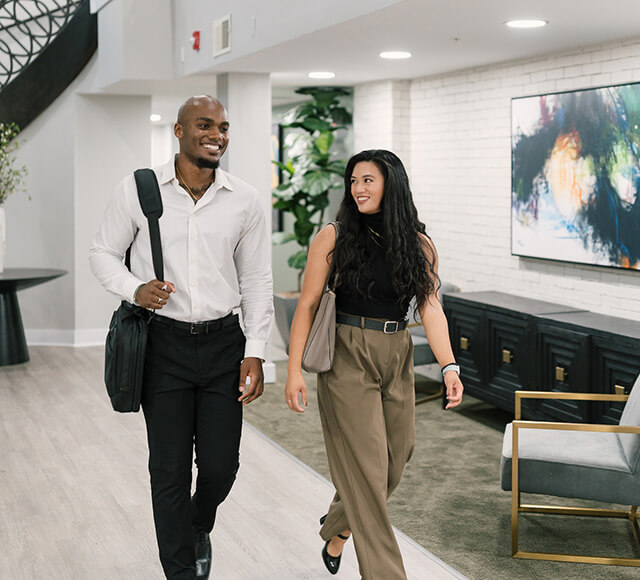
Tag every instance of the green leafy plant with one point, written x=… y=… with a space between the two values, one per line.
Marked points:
x=312 y=169
x=11 y=178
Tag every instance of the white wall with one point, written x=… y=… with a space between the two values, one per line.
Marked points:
x=112 y=138
x=461 y=173
x=135 y=39
x=256 y=25
x=382 y=118
x=40 y=231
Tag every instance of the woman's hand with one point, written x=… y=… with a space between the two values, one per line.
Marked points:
x=454 y=389
x=295 y=386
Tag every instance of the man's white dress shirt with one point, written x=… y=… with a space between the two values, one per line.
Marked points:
x=215 y=252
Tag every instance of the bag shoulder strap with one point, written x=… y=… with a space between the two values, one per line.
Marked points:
x=151 y=204
x=336 y=226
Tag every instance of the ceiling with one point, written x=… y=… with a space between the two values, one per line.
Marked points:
x=443 y=36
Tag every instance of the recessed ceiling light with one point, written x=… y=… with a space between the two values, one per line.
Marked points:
x=526 y=23
x=321 y=75
x=155 y=117
x=395 y=54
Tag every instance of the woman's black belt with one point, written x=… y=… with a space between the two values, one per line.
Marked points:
x=196 y=327
x=386 y=326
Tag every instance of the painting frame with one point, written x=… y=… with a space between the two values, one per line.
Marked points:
x=575 y=176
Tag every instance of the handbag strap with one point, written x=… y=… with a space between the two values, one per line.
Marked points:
x=151 y=204
x=336 y=226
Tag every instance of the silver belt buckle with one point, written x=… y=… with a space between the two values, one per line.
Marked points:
x=198 y=328
x=390 y=331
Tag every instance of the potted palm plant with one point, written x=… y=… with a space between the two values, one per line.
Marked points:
x=11 y=178
x=311 y=170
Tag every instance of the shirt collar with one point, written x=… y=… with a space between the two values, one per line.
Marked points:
x=168 y=172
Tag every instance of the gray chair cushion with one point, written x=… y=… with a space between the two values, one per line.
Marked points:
x=631 y=416
x=571 y=464
x=422 y=354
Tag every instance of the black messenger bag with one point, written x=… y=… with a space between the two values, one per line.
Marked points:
x=126 y=342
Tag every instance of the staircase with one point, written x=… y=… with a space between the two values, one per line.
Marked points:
x=44 y=44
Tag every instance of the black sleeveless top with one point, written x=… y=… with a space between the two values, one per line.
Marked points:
x=382 y=301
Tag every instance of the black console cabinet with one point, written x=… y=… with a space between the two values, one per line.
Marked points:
x=505 y=343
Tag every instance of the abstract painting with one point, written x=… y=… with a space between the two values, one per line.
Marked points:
x=575 y=176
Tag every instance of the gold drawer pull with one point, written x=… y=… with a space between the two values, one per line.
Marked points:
x=464 y=343
x=620 y=390
x=561 y=374
x=507 y=356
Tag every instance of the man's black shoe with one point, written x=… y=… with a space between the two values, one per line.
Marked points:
x=203 y=553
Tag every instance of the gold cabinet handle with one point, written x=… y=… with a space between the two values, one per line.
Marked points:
x=507 y=356
x=561 y=374
x=620 y=390
x=464 y=343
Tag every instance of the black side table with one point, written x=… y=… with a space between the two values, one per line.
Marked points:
x=13 y=345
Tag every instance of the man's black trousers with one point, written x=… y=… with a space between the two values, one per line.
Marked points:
x=190 y=398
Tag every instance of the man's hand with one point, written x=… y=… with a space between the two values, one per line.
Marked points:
x=251 y=367
x=154 y=294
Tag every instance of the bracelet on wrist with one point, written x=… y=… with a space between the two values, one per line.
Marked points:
x=450 y=367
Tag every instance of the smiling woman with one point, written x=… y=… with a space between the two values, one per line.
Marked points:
x=380 y=261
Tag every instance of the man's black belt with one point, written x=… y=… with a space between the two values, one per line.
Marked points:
x=386 y=326
x=195 y=327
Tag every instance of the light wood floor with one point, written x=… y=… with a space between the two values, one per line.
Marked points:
x=75 y=499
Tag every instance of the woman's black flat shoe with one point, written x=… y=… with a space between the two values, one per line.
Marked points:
x=332 y=563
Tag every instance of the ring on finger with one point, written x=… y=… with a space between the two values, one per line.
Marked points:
x=159 y=300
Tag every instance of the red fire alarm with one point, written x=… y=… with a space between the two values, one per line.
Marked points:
x=195 y=40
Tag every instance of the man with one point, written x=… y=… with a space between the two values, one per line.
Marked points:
x=216 y=258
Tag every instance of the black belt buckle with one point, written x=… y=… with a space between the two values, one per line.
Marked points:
x=385 y=328
x=199 y=328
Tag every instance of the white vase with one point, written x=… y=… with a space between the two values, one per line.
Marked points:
x=3 y=238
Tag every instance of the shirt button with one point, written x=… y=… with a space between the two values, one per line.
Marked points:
x=195 y=307
x=193 y=283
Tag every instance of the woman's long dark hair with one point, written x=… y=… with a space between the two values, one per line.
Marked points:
x=412 y=260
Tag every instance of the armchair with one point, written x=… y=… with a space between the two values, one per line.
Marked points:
x=574 y=460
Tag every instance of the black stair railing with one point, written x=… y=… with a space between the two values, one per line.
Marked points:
x=44 y=44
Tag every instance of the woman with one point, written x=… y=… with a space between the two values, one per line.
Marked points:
x=379 y=261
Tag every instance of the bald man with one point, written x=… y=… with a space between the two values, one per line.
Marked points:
x=201 y=368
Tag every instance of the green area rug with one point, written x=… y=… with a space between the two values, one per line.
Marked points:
x=450 y=499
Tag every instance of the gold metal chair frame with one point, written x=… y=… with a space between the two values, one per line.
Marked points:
x=517 y=507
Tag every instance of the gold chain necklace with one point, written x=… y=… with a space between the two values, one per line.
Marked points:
x=200 y=190
x=375 y=235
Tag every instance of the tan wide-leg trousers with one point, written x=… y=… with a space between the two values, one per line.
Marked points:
x=366 y=404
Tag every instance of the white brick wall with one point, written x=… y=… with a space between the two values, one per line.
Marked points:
x=382 y=118
x=459 y=153
x=373 y=116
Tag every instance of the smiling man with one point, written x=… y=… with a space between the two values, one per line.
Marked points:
x=198 y=360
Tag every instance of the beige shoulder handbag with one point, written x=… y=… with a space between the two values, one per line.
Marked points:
x=318 y=352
